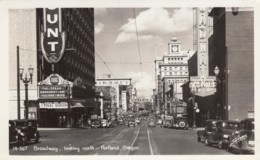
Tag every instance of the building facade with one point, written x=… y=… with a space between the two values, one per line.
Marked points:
x=173 y=70
x=122 y=89
x=77 y=64
x=231 y=49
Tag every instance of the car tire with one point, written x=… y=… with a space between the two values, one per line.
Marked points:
x=207 y=142
x=37 y=138
x=198 y=139
x=220 y=144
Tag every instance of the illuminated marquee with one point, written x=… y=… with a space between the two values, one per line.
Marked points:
x=203 y=84
x=52 y=39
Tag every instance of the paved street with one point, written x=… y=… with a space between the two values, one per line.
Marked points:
x=139 y=140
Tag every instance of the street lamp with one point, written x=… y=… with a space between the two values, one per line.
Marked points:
x=194 y=107
x=26 y=81
x=223 y=81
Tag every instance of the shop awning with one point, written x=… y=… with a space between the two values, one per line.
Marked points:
x=77 y=105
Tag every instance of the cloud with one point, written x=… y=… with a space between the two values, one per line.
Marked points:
x=143 y=82
x=154 y=22
x=99 y=27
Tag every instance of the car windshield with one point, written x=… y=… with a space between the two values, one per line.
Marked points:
x=20 y=124
x=231 y=125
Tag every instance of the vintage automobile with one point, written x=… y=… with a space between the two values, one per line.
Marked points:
x=151 y=124
x=26 y=130
x=243 y=139
x=131 y=123
x=104 y=123
x=208 y=129
x=95 y=124
x=221 y=133
x=179 y=122
x=120 y=121
x=137 y=121
x=14 y=135
x=159 y=122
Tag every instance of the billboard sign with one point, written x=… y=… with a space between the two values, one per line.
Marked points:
x=52 y=39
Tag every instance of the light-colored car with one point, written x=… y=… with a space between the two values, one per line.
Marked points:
x=104 y=123
x=159 y=122
x=151 y=124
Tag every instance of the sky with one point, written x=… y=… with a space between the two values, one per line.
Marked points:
x=116 y=41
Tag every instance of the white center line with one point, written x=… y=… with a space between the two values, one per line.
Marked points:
x=150 y=146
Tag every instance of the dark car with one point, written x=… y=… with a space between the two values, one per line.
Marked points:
x=131 y=123
x=14 y=135
x=179 y=122
x=222 y=132
x=208 y=129
x=243 y=140
x=95 y=124
x=26 y=130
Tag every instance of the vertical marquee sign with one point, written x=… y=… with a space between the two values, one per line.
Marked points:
x=52 y=39
x=203 y=84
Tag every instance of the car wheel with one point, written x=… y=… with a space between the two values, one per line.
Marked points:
x=37 y=138
x=198 y=139
x=220 y=144
x=207 y=142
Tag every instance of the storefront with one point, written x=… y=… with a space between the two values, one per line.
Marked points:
x=57 y=105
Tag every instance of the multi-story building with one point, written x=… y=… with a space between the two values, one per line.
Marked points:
x=122 y=86
x=77 y=64
x=231 y=49
x=173 y=69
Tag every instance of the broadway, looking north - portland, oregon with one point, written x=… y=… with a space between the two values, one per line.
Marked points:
x=131 y=81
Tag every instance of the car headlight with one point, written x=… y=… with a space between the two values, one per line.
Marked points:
x=252 y=143
x=225 y=136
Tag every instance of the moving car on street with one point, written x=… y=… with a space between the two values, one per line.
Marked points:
x=222 y=132
x=243 y=140
x=131 y=123
x=23 y=131
x=151 y=124
x=95 y=124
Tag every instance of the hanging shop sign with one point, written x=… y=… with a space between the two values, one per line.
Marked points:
x=203 y=84
x=53 y=38
x=54 y=87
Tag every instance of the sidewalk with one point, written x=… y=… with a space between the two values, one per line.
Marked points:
x=61 y=129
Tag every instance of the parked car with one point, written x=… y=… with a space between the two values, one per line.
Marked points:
x=103 y=123
x=131 y=123
x=209 y=125
x=221 y=133
x=95 y=124
x=151 y=124
x=120 y=121
x=14 y=135
x=179 y=122
x=159 y=122
x=137 y=121
x=243 y=139
x=23 y=131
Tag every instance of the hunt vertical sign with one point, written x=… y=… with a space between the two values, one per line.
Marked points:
x=52 y=39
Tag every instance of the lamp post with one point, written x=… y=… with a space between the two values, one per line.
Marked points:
x=67 y=88
x=26 y=81
x=193 y=108
x=223 y=81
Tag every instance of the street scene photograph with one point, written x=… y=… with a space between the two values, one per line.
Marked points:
x=131 y=81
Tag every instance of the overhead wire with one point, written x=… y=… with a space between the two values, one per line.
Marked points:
x=138 y=45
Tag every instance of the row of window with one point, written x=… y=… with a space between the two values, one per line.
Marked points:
x=175 y=68
x=176 y=73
